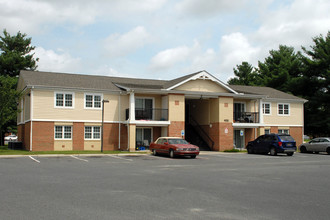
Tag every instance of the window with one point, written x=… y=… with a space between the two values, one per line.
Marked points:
x=143 y=108
x=64 y=100
x=283 y=131
x=267 y=131
x=63 y=132
x=93 y=101
x=93 y=132
x=266 y=108
x=283 y=109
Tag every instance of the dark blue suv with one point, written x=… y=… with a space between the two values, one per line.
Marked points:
x=273 y=143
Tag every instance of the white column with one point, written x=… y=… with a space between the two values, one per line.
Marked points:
x=261 y=115
x=131 y=107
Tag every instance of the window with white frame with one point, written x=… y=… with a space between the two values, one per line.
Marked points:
x=267 y=131
x=283 y=131
x=93 y=132
x=283 y=109
x=93 y=101
x=63 y=99
x=63 y=132
x=266 y=108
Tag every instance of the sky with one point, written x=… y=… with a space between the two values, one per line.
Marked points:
x=161 y=39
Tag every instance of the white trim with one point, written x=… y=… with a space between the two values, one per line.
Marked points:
x=289 y=111
x=282 y=125
x=65 y=120
x=247 y=125
x=93 y=94
x=205 y=76
x=64 y=93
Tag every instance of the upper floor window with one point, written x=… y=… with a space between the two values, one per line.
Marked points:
x=283 y=109
x=266 y=108
x=64 y=99
x=93 y=101
x=63 y=132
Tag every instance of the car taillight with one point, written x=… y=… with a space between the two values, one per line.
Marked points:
x=280 y=143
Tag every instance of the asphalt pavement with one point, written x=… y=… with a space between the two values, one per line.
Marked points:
x=212 y=186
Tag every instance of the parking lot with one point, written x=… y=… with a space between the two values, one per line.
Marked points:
x=212 y=186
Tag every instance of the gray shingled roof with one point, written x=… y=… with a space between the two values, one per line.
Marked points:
x=93 y=82
x=259 y=90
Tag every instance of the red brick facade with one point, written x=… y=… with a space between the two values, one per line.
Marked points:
x=175 y=128
x=297 y=134
x=42 y=136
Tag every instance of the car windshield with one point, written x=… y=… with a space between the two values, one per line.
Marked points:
x=286 y=138
x=177 y=141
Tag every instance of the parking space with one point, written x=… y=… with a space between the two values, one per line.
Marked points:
x=212 y=186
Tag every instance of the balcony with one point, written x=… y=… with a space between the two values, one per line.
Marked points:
x=152 y=114
x=246 y=117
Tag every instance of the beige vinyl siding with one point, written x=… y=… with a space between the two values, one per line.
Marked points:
x=92 y=145
x=44 y=108
x=201 y=86
x=295 y=117
x=63 y=145
x=27 y=108
x=226 y=113
x=176 y=112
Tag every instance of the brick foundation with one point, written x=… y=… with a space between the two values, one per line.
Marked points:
x=42 y=136
x=297 y=134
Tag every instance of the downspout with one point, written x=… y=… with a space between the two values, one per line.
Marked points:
x=31 y=115
x=119 y=119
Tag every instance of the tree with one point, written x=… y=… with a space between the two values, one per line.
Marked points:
x=315 y=84
x=8 y=107
x=245 y=74
x=16 y=54
x=281 y=69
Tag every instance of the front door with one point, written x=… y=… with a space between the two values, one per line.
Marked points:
x=239 y=139
x=143 y=138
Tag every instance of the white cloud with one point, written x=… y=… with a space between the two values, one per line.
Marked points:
x=209 y=7
x=121 y=45
x=60 y=61
x=168 y=58
x=33 y=16
x=293 y=25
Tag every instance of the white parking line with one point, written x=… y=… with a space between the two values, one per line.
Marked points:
x=78 y=158
x=34 y=159
x=119 y=157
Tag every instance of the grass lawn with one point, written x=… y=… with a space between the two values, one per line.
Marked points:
x=5 y=151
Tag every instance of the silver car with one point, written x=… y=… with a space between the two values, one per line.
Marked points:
x=321 y=144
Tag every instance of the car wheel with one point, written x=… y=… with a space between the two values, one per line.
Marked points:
x=303 y=149
x=193 y=156
x=154 y=152
x=289 y=154
x=249 y=150
x=171 y=153
x=273 y=151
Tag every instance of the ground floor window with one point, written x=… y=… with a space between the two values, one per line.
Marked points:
x=63 y=132
x=92 y=132
x=267 y=131
x=143 y=138
x=283 y=131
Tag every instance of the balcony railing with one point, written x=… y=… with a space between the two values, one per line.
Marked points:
x=152 y=114
x=246 y=117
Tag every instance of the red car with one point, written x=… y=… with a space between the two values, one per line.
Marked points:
x=173 y=146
